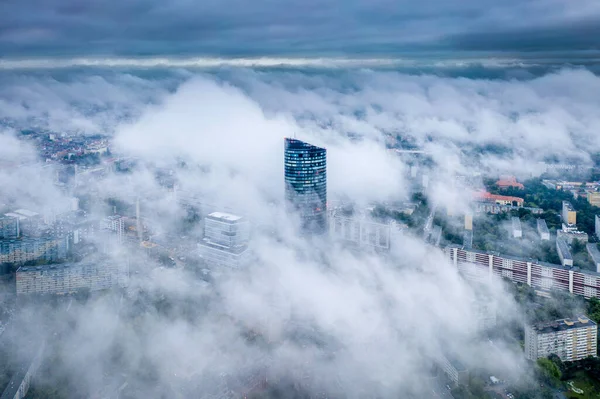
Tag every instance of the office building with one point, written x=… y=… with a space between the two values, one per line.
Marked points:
x=563 y=252
x=542 y=229
x=569 y=339
x=226 y=229
x=225 y=242
x=9 y=227
x=306 y=183
x=517 y=232
x=69 y=278
x=569 y=216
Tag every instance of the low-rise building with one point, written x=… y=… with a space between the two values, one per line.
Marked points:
x=569 y=339
x=563 y=252
x=72 y=277
x=484 y=196
x=542 y=229
x=509 y=181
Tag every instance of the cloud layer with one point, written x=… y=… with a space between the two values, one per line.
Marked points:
x=233 y=27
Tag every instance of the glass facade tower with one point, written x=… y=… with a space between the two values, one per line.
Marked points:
x=306 y=183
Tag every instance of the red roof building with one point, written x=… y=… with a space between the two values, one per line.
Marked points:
x=484 y=196
x=509 y=181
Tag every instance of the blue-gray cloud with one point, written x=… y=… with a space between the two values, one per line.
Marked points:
x=236 y=27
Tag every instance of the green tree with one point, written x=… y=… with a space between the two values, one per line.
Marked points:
x=549 y=371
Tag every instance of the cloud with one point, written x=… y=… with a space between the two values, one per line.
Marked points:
x=267 y=27
x=359 y=322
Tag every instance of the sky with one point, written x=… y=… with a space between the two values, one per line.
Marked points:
x=235 y=28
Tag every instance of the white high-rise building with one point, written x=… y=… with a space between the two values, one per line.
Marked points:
x=569 y=339
x=225 y=240
x=360 y=230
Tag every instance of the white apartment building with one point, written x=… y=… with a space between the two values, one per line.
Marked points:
x=569 y=339
x=361 y=231
x=542 y=229
x=71 y=277
x=517 y=231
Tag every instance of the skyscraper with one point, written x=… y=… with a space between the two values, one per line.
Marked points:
x=306 y=183
x=225 y=240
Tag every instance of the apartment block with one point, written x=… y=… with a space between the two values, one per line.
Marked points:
x=569 y=339
x=569 y=216
x=542 y=229
x=360 y=230
x=72 y=277
x=564 y=253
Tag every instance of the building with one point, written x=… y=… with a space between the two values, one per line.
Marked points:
x=563 y=252
x=593 y=198
x=49 y=247
x=226 y=229
x=468 y=239
x=594 y=253
x=481 y=266
x=19 y=383
x=542 y=229
x=225 y=240
x=468 y=221
x=569 y=339
x=509 y=181
x=67 y=278
x=9 y=227
x=115 y=224
x=597 y=226
x=517 y=231
x=359 y=230
x=570 y=233
x=484 y=196
x=455 y=371
x=569 y=216
x=306 y=183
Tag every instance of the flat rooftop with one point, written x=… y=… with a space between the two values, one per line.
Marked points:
x=563 y=324
x=26 y=213
x=224 y=216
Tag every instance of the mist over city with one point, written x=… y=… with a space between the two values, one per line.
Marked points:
x=299 y=200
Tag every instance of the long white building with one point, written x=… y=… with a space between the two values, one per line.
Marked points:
x=72 y=277
x=362 y=231
x=569 y=339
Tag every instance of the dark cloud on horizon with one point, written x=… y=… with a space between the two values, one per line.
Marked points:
x=235 y=27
